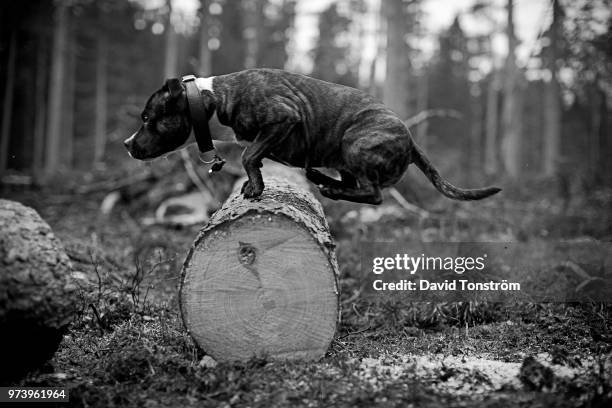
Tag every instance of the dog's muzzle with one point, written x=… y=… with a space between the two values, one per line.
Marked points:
x=129 y=143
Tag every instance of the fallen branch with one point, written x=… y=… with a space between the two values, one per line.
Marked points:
x=356 y=332
x=581 y=273
x=193 y=208
x=109 y=202
x=406 y=205
x=203 y=185
x=430 y=113
x=110 y=185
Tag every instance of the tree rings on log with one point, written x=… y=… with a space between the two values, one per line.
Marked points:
x=260 y=279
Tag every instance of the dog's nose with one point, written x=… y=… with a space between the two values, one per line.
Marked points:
x=129 y=141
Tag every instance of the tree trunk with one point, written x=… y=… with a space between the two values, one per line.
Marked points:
x=205 y=60
x=56 y=91
x=67 y=136
x=491 y=166
x=358 y=28
x=260 y=279
x=7 y=102
x=474 y=150
x=38 y=295
x=171 y=51
x=552 y=101
x=101 y=96
x=252 y=34
x=594 y=142
x=422 y=102
x=512 y=124
x=394 y=92
x=40 y=112
x=511 y=136
x=28 y=92
x=379 y=40
x=604 y=145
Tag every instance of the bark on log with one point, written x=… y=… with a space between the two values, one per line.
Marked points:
x=37 y=295
x=260 y=279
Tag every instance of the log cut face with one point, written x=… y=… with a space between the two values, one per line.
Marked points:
x=38 y=297
x=260 y=280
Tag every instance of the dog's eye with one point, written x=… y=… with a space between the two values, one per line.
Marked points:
x=145 y=118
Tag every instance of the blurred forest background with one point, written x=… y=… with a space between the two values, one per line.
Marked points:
x=75 y=75
x=488 y=103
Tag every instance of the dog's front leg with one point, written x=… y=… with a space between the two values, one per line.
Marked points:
x=252 y=156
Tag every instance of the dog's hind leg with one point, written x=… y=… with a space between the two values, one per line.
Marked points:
x=364 y=193
x=375 y=156
x=315 y=176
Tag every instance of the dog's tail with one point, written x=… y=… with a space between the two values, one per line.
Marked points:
x=443 y=186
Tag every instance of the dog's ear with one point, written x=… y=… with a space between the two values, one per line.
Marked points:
x=174 y=87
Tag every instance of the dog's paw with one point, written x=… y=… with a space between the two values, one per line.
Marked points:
x=251 y=190
x=315 y=176
x=329 y=192
x=244 y=185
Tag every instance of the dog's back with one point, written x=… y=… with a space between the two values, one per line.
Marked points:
x=325 y=110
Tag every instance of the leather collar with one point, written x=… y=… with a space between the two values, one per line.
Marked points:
x=199 y=116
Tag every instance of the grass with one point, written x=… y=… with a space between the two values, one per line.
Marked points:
x=128 y=347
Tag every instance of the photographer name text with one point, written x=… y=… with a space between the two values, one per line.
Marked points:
x=452 y=285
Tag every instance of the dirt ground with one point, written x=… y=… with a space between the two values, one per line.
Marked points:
x=128 y=348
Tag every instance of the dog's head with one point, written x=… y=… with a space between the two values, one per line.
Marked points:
x=166 y=123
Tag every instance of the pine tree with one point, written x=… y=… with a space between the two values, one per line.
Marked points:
x=331 y=56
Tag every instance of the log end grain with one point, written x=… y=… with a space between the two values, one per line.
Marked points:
x=260 y=280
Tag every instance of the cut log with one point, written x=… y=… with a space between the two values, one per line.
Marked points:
x=260 y=279
x=38 y=296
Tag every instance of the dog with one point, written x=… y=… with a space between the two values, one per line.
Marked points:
x=298 y=121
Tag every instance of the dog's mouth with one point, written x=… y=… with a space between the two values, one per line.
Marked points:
x=140 y=152
x=140 y=155
x=144 y=147
x=147 y=155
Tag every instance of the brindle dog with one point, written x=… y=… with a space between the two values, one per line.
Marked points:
x=298 y=121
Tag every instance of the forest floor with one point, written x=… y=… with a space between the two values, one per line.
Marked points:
x=128 y=347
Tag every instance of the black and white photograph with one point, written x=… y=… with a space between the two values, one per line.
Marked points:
x=306 y=203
